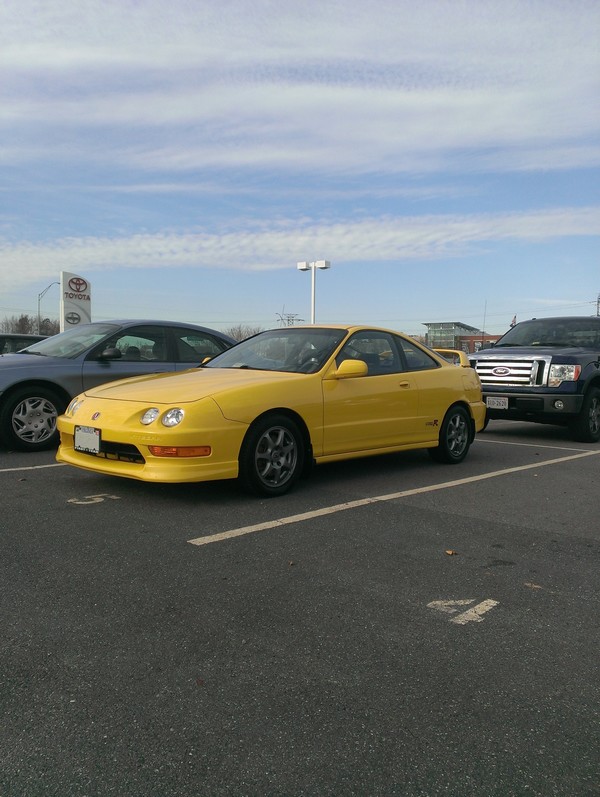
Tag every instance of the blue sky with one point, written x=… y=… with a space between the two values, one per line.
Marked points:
x=183 y=156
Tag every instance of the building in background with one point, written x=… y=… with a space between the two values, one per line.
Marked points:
x=456 y=335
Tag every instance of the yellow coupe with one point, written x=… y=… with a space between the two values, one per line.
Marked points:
x=267 y=409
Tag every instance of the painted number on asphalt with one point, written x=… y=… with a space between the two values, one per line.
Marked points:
x=472 y=615
x=93 y=499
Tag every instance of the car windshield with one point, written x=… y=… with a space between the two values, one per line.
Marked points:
x=583 y=332
x=71 y=343
x=296 y=350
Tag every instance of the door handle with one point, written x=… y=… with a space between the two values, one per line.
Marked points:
x=404 y=384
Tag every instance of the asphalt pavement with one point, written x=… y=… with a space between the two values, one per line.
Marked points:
x=391 y=627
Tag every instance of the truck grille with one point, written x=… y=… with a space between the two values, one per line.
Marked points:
x=529 y=372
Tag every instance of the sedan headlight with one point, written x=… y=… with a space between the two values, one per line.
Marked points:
x=150 y=415
x=563 y=373
x=74 y=405
x=172 y=417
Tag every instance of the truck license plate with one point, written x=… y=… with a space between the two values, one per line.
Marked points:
x=87 y=439
x=497 y=402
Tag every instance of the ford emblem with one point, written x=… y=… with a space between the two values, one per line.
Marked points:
x=501 y=370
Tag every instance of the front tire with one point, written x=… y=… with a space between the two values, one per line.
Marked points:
x=586 y=427
x=272 y=456
x=455 y=437
x=28 y=419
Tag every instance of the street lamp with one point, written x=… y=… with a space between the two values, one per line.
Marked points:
x=305 y=266
x=40 y=297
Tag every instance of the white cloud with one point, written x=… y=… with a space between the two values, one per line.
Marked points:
x=372 y=240
x=333 y=86
x=120 y=117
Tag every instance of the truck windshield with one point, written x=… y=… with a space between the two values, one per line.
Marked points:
x=572 y=332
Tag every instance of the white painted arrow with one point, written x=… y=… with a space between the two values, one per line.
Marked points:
x=449 y=606
x=93 y=499
x=472 y=615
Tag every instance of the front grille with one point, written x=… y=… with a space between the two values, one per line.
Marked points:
x=526 y=372
x=123 y=452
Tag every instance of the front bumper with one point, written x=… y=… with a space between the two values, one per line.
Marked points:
x=521 y=406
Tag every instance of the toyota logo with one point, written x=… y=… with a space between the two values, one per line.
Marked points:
x=77 y=284
x=72 y=318
x=501 y=370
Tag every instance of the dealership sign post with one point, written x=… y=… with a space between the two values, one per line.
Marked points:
x=75 y=300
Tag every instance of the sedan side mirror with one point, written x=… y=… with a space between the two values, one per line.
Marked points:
x=111 y=353
x=349 y=369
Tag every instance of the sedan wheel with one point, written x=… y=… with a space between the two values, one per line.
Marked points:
x=272 y=456
x=28 y=419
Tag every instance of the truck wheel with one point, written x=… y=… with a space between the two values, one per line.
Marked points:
x=455 y=437
x=272 y=456
x=586 y=426
x=28 y=419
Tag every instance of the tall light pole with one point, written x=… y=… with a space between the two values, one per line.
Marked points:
x=306 y=266
x=40 y=297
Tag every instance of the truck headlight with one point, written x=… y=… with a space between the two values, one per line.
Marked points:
x=563 y=373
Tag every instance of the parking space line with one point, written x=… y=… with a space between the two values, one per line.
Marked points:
x=331 y=510
x=33 y=467
x=531 y=445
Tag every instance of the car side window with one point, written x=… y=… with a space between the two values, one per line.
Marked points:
x=376 y=349
x=194 y=347
x=139 y=344
x=416 y=358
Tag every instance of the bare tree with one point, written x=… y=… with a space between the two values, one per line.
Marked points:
x=23 y=324
x=49 y=326
x=242 y=331
x=27 y=325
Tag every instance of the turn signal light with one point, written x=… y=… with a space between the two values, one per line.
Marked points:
x=180 y=451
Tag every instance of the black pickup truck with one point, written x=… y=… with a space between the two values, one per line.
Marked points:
x=545 y=370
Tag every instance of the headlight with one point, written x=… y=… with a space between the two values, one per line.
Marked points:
x=74 y=406
x=563 y=373
x=150 y=415
x=172 y=417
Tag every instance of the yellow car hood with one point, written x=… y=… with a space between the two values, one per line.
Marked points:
x=187 y=386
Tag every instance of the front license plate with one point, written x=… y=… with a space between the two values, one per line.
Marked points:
x=87 y=439
x=497 y=402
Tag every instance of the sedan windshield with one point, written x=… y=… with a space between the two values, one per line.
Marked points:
x=297 y=350
x=71 y=343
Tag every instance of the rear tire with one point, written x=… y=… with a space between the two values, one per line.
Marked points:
x=455 y=437
x=28 y=419
x=272 y=456
x=586 y=426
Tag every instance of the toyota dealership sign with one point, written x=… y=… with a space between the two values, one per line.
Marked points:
x=75 y=300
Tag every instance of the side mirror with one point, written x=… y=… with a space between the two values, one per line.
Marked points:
x=350 y=369
x=454 y=356
x=110 y=353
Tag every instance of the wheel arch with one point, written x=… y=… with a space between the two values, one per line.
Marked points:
x=592 y=381
x=466 y=406
x=300 y=423
x=17 y=387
